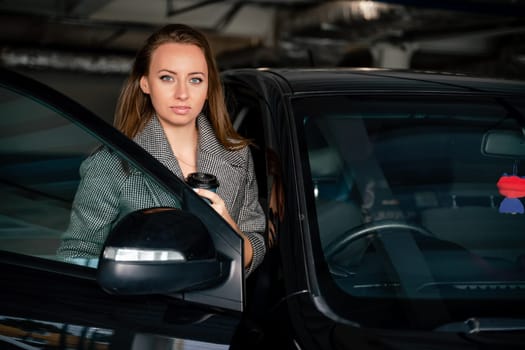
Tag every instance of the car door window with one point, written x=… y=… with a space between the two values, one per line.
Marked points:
x=41 y=152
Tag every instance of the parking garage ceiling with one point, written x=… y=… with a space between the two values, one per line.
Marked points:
x=102 y=35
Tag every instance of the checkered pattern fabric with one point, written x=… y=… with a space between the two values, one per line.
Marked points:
x=110 y=189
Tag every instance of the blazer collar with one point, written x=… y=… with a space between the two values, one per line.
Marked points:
x=210 y=153
x=210 y=147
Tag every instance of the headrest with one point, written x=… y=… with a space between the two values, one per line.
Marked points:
x=325 y=162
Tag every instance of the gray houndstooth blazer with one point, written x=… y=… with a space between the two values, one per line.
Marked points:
x=109 y=190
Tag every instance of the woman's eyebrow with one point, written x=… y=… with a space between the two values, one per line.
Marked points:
x=175 y=73
x=166 y=71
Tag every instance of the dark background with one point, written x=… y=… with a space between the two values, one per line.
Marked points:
x=84 y=48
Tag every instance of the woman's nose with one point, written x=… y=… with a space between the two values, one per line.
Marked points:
x=181 y=91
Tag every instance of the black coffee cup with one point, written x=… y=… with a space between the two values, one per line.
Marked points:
x=203 y=180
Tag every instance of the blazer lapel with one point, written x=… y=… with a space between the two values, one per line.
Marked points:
x=153 y=140
x=213 y=158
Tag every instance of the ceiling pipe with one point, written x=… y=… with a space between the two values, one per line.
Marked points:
x=173 y=11
x=328 y=15
x=69 y=61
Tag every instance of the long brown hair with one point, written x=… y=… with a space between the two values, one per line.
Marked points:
x=134 y=108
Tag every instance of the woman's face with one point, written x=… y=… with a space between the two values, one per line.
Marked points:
x=177 y=83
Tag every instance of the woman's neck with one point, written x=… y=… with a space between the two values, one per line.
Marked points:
x=184 y=142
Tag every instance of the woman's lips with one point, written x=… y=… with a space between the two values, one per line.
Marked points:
x=180 y=109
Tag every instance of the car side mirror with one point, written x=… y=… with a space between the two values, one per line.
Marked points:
x=159 y=251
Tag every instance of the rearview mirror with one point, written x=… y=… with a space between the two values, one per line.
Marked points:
x=503 y=144
x=159 y=251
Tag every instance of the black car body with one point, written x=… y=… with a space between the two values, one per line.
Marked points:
x=395 y=220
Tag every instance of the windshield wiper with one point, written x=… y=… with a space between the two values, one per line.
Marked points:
x=478 y=325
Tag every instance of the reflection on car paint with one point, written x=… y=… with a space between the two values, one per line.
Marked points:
x=51 y=335
x=36 y=334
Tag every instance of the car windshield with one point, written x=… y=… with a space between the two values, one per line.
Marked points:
x=412 y=201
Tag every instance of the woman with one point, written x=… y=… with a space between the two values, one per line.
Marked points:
x=173 y=106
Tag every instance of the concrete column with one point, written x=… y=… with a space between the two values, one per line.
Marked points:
x=387 y=55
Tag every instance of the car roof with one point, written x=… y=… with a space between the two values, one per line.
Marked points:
x=308 y=80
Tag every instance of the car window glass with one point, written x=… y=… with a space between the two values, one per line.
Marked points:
x=251 y=118
x=41 y=153
x=406 y=202
x=246 y=115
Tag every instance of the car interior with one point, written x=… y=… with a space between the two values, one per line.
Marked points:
x=379 y=175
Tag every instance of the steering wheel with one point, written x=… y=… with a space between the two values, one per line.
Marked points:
x=371 y=229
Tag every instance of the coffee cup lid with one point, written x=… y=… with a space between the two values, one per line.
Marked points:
x=202 y=180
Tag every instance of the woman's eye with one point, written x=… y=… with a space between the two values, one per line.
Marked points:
x=166 y=78
x=196 y=80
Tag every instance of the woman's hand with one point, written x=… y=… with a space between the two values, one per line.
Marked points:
x=219 y=206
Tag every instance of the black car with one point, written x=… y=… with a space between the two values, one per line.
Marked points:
x=395 y=221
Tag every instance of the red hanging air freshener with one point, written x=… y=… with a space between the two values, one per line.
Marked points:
x=511 y=187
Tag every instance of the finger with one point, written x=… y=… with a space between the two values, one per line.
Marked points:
x=211 y=196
